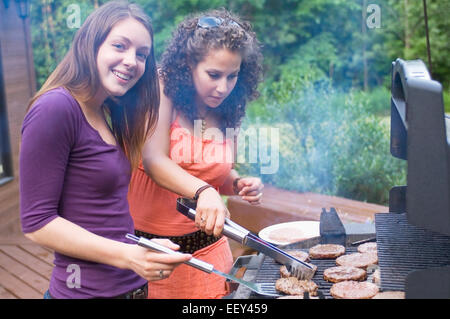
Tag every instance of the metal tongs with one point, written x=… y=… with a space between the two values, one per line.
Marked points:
x=203 y=266
x=297 y=268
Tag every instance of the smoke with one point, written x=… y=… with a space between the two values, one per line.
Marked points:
x=330 y=142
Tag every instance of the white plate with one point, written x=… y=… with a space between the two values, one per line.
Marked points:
x=291 y=232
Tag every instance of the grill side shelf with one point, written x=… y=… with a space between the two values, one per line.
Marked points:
x=251 y=263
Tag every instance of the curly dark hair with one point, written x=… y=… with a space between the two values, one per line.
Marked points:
x=189 y=46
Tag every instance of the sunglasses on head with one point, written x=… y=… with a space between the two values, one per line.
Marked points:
x=208 y=22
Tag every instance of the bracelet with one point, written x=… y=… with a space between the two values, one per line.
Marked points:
x=235 y=187
x=201 y=189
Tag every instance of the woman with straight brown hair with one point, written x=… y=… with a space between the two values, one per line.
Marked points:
x=82 y=130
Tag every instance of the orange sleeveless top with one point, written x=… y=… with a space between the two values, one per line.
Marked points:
x=152 y=207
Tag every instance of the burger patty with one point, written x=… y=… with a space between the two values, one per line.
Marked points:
x=284 y=272
x=343 y=273
x=357 y=260
x=291 y=297
x=326 y=251
x=294 y=286
x=287 y=235
x=390 y=295
x=295 y=297
x=300 y=255
x=376 y=277
x=367 y=248
x=353 y=290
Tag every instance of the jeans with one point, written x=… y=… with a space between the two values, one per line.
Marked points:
x=140 y=293
x=47 y=295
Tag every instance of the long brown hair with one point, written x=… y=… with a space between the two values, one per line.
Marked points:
x=134 y=115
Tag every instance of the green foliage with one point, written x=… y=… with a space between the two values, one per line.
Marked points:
x=331 y=142
x=51 y=34
x=330 y=29
x=447 y=101
x=404 y=34
x=327 y=79
x=377 y=101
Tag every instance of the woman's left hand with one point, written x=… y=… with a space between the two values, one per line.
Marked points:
x=250 y=189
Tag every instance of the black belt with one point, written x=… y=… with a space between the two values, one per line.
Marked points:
x=139 y=293
x=188 y=243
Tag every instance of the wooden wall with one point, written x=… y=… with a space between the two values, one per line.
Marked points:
x=19 y=79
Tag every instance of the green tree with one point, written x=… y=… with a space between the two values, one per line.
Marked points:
x=351 y=56
x=327 y=78
x=52 y=34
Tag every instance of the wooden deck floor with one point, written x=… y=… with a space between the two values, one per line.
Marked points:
x=25 y=268
x=279 y=206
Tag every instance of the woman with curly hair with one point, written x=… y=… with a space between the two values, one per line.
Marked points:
x=208 y=73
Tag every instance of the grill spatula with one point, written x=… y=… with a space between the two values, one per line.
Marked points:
x=204 y=266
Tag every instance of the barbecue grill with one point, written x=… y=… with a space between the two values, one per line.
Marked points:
x=262 y=269
x=413 y=238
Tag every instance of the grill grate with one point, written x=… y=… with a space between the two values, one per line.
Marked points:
x=269 y=272
x=403 y=248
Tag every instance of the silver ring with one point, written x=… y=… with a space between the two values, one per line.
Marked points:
x=161 y=273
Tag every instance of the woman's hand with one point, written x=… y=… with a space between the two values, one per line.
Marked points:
x=211 y=212
x=249 y=188
x=154 y=265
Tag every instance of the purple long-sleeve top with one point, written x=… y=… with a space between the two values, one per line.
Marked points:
x=68 y=170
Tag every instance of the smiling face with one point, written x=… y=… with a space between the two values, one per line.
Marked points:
x=121 y=58
x=216 y=76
